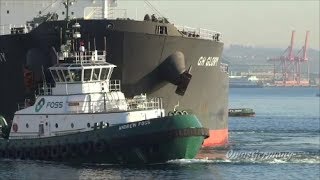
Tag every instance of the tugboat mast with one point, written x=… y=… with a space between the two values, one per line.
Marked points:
x=66 y=4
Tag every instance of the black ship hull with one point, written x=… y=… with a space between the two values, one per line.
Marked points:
x=138 y=52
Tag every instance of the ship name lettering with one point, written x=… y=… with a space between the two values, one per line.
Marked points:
x=208 y=61
x=134 y=125
x=127 y=126
x=54 y=104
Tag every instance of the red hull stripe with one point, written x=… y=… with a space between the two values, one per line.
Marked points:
x=218 y=138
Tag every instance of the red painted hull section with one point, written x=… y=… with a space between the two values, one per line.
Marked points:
x=218 y=138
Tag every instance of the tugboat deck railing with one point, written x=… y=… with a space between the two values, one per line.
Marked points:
x=85 y=57
x=103 y=106
x=46 y=90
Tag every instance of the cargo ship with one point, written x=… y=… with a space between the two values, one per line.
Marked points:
x=244 y=82
x=182 y=65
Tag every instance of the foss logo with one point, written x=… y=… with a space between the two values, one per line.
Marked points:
x=42 y=102
x=208 y=61
x=54 y=105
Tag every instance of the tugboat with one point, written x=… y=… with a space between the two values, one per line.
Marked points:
x=243 y=112
x=85 y=118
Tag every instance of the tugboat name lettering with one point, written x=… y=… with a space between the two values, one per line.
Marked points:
x=208 y=61
x=54 y=104
x=133 y=125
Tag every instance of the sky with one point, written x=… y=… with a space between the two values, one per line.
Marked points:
x=254 y=23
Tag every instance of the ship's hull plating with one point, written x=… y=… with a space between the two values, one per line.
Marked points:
x=136 y=55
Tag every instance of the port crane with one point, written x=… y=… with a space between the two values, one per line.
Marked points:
x=290 y=65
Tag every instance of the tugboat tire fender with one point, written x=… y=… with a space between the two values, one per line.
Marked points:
x=99 y=146
x=45 y=153
x=27 y=153
x=184 y=112
x=12 y=153
x=178 y=113
x=170 y=113
x=18 y=154
x=2 y=153
x=34 y=153
x=54 y=152
x=7 y=153
x=86 y=148
x=64 y=151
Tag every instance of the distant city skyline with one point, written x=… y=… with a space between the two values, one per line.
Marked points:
x=254 y=23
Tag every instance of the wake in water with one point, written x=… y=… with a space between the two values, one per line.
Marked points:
x=257 y=157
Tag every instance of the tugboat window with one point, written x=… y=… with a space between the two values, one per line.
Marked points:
x=55 y=75
x=95 y=74
x=161 y=30
x=88 y=125
x=104 y=74
x=56 y=125
x=67 y=75
x=72 y=125
x=61 y=76
x=27 y=125
x=76 y=75
x=87 y=74
x=8 y=11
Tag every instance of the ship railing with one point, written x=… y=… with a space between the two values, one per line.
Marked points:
x=115 y=105
x=85 y=56
x=15 y=29
x=97 y=13
x=224 y=67
x=144 y=104
x=27 y=103
x=114 y=85
x=199 y=33
x=44 y=89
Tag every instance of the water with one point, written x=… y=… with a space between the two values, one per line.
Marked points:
x=287 y=121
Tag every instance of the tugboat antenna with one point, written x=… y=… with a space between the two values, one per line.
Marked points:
x=67 y=4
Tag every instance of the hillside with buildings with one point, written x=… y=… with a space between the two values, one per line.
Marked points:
x=248 y=60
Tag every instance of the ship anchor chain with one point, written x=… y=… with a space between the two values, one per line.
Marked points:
x=177 y=112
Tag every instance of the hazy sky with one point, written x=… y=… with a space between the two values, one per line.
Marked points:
x=259 y=23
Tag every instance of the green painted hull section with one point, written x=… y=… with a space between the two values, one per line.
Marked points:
x=150 y=141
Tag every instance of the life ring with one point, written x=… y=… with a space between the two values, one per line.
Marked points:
x=15 y=127
x=86 y=148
